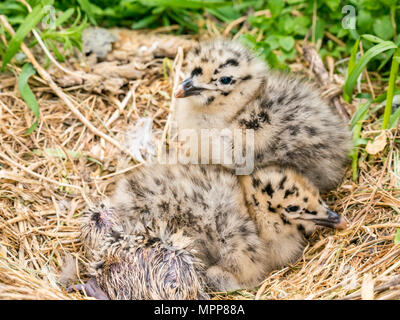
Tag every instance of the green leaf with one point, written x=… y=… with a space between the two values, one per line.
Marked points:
x=383 y=27
x=302 y=25
x=389 y=2
x=87 y=7
x=360 y=114
x=286 y=43
x=360 y=142
x=287 y=24
x=276 y=6
x=364 y=20
x=319 y=29
x=53 y=48
x=361 y=64
x=394 y=119
x=273 y=41
x=371 y=4
x=332 y=4
x=29 y=23
x=186 y=4
x=397 y=237
x=32 y=128
x=58 y=153
x=143 y=23
x=372 y=38
x=26 y=92
x=356 y=125
x=64 y=16
x=352 y=63
x=394 y=69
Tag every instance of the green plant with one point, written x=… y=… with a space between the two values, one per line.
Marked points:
x=136 y=14
x=275 y=37
x=356 y=126
x=355 y=69
x=394 y=70
x=70 y=37
x=27 y=94
x=65 y=29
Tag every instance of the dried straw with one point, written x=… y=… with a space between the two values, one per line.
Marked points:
x=42 y=194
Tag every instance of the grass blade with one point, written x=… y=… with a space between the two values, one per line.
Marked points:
x=372 y=38
x=187 y=4
x=356 y=124
x=394 y=119
x=397 y=237
x=29 y=23
x=64 y=16
x=86 y=6
x=359 y=115
x=390 y=92
x=145 y=22
x=27 y=94
x=58 y=153
x=359 y=67
x=351 y=65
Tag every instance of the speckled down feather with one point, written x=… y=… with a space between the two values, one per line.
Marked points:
x=292 y=125
x=179 y=232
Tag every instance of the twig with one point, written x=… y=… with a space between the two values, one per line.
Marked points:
x=50 y=56
x=43 y=73
x=229 y=27
x=335 y=39
x=317 y=66
x=4 y=156
x=377 y=186
x=119 y=172
x=178 y=66
x=395 y=283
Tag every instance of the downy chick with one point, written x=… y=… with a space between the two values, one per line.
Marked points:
x=178 y=232
x=227 y=86
x=286 y=208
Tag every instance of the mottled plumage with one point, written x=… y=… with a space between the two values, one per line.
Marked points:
x=178 y=232
x=229 y=87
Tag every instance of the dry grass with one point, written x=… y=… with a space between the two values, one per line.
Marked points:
x=42 y=196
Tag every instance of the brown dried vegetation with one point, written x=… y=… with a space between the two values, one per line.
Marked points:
x=43 y=193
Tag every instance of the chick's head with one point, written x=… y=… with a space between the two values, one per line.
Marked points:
x=295 y=199
x=222 y=74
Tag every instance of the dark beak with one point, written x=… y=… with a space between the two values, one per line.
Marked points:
x=333 y=220
x=186 y=89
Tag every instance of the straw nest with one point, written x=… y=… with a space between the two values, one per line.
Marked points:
x=49 y=178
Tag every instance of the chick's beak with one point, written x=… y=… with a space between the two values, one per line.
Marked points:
x=333 y=220
x=186 y=89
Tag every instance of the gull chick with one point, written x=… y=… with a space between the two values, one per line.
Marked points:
x=227 y=86
x=180 y=232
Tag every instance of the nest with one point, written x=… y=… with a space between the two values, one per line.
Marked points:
x=50 y=177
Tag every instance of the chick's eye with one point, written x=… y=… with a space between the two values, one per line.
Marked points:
x=292 y=208
x=225 y=80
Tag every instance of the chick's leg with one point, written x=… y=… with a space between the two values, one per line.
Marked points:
x=91 y=288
